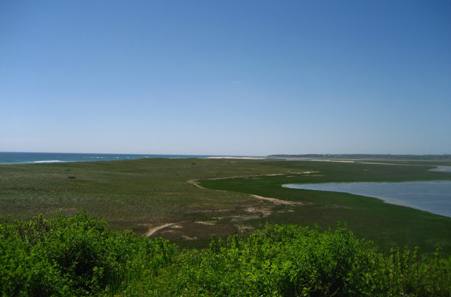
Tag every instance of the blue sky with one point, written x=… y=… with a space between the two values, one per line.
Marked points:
x=225 y=77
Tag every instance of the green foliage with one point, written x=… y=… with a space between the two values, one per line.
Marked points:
x=73 y=256
x=80 y=256
x=294 y=261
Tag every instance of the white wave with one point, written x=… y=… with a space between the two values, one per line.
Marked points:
x=237 y=157
x=47 y=161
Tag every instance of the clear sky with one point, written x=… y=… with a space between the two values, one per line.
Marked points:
x=225 y=77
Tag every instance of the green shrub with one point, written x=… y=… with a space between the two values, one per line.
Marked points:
x=80 y=256
x=73 y=256
x=296 y=261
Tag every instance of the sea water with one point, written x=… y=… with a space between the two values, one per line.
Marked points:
x=13 y=157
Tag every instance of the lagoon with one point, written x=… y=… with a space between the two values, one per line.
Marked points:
x=432 y=196
x=442 y=169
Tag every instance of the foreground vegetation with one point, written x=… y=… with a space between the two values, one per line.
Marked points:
x=80 y=256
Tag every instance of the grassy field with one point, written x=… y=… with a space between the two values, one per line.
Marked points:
x=200 y=198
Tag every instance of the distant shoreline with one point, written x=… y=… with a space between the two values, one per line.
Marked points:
x=50 y=157
x=9 y=158
x=362 y=157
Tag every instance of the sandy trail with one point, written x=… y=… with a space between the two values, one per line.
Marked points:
x=154 y=230
x=277 y=201
x=195 y=183
x=274 y=201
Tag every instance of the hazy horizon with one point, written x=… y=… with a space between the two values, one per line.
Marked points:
x=219 y=155
x=226 y=78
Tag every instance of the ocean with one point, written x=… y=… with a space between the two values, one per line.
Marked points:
x=18 y=158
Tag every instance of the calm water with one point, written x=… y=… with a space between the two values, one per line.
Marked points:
x=432 y=196
x=10 y=158
x=442 y=169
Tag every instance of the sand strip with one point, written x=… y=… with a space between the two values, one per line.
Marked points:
x=277 y=201
x=154 y=230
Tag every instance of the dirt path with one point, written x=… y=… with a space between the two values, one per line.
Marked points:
x=277 y=201
x=274 y=201
x=154 y=230
x=195 y=183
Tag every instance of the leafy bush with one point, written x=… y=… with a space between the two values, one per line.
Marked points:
x=73 y=256
x=296 y=261
x=80 y=256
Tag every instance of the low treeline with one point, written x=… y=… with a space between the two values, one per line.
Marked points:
x=81 y=256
